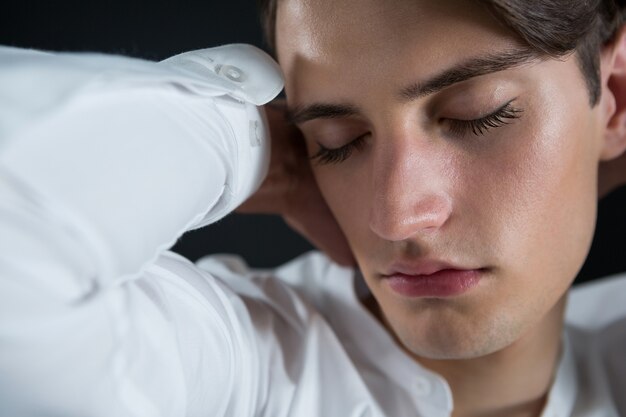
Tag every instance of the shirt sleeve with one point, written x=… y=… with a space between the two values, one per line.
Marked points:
x=104 y=162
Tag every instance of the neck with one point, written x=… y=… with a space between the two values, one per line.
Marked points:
x=512 y=382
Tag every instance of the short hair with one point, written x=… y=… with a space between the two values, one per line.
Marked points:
x=554 y=28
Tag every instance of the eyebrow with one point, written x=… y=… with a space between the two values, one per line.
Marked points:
x=464 y=71
x=301 y=114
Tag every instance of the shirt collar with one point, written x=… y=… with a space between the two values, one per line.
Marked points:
x=430 y=391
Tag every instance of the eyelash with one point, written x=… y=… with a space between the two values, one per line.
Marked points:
x=459 y=128
x=334 y=156
x=478 y=127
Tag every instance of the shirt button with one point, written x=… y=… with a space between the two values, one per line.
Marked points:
x=232 y=73
x=255 y=137
x=422 y=387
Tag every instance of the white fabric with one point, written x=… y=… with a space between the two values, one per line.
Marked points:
x=104 y=162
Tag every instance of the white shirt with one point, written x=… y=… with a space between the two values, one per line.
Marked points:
x=104 y=162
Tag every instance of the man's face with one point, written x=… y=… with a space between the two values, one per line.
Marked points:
x=491 y=178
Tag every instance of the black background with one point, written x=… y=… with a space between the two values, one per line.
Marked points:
x=157 y=29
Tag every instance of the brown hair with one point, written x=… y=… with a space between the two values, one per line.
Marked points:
x=551 y=27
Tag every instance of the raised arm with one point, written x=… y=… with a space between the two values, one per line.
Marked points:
x=104 y=162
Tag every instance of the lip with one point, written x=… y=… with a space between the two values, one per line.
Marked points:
x=432 y=279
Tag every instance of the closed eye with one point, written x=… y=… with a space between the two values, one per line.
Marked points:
x=502 y=116
x=334 y=156
x=458 y=128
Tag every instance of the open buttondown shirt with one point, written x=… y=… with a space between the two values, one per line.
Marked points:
x=104 y=162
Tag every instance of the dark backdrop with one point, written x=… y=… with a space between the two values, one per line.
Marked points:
x=156 y=29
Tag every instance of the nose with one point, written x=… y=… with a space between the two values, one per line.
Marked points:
x=409 y=192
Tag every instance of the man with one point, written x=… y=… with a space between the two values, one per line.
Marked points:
x=457 y=155
x=447 y=143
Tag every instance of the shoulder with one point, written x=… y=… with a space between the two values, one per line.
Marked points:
x=596 y=321
x=296 y=350
x=249 y=327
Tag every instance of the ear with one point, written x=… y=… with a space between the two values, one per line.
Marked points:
x=613 y=99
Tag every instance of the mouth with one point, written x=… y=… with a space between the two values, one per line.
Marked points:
x=432 y=279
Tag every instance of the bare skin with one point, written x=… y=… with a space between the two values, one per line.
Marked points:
x=291 y=190
x=505 y=203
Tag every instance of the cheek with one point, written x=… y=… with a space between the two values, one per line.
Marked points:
x=542 y=191
x=347 y=194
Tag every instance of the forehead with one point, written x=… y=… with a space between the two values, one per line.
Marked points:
x=339 y=46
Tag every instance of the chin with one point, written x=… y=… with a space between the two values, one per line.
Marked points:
x=444 y=340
